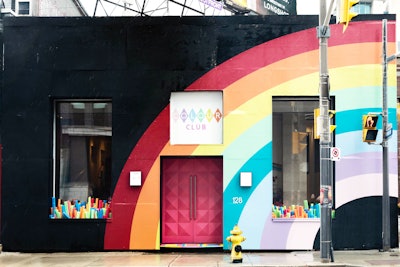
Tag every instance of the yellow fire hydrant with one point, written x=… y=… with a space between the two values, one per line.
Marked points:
x=236 y=239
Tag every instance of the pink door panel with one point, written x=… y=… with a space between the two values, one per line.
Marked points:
x=177 y=226
x=192 y=200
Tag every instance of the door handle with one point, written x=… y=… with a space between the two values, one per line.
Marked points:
x=190 y=197
x=195 y=197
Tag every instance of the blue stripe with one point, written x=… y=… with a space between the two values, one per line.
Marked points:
x=260 y=164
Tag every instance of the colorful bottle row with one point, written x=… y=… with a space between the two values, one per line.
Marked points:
x=94 y=208
x=296 y=211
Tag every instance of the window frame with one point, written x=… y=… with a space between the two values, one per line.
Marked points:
x=18 y=9
x=56 y=143
x=316 y=154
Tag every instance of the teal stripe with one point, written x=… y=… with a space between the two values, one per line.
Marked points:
x=245 y=146
x=260 y=164
x=363 y=97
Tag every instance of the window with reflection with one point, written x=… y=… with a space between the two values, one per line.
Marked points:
x=82 y=153
x=296 y=172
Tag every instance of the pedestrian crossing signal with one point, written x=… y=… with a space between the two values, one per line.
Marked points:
x=370 y=131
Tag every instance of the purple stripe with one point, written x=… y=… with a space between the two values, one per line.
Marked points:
x=363 y=163
x=276 y=238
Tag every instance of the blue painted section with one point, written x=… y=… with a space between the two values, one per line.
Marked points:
x=245 y=146
x=236 y=197
x=363 y=97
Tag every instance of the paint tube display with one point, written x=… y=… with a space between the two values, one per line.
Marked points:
x=94 y=208
x=296 y=211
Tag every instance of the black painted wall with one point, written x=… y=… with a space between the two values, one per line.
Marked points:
x=135 y=61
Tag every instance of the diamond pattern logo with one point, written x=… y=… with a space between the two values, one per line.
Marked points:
x=218 y=115
x=209 y=115
x=192 y=115
x=175 y=115
x=200 y=115
x=184 y=115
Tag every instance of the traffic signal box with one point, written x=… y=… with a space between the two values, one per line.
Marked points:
x=317 y=127
x=369 y=128
x=345 y=14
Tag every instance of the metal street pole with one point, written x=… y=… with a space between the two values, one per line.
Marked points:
x=325 y=138
x=323 y=32
x=385 y=191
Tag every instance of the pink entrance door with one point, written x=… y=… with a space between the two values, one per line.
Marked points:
x=191 y=200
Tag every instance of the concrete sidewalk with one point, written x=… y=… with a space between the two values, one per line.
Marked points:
x=186 y=259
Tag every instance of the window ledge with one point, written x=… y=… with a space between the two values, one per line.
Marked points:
x=296 y=220
x=81 y=220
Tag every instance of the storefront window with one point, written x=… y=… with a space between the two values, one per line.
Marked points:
x=295 y=158
x=82 y=168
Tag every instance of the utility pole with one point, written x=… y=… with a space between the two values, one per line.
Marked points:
x=325 y=142
x=385 y=129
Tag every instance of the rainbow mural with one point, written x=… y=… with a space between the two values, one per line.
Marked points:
x=286 y=66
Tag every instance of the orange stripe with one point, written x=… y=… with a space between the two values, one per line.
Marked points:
x=147 y=212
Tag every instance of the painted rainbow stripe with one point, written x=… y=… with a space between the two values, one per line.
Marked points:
x=285 y=66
